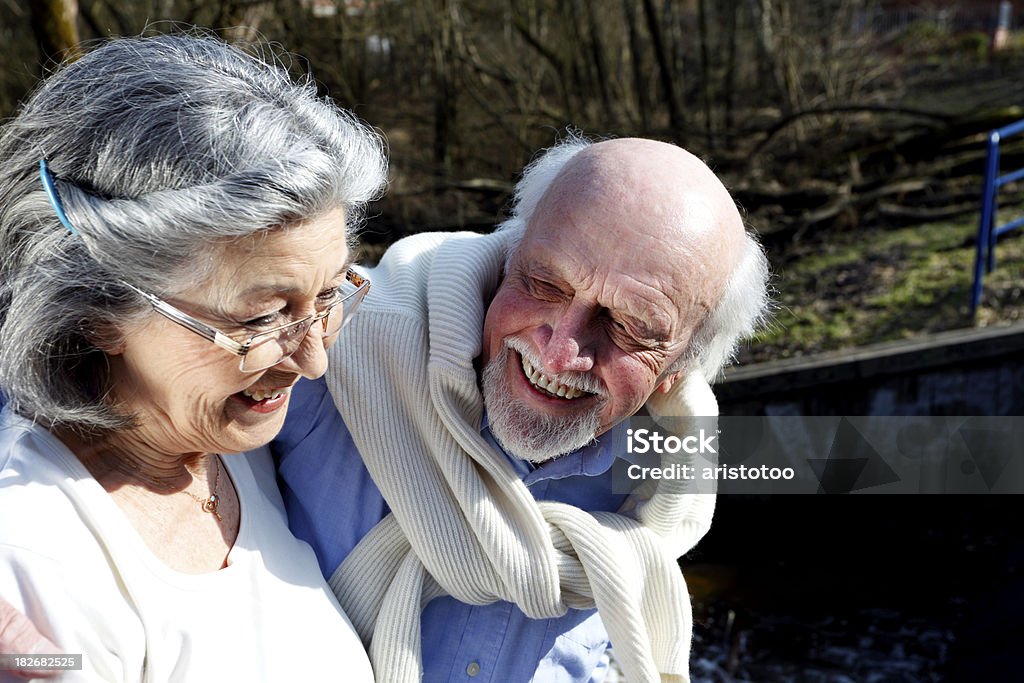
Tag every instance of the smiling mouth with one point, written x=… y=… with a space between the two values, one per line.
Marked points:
x=264 y=394
x=263 y=400
x=548 y=385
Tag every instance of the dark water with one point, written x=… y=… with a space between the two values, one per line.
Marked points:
x=872 y=645
x=879 y=589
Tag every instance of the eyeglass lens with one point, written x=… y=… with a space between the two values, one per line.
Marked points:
x=272 y=349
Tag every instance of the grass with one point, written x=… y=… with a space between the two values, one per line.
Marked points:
x=883 y=284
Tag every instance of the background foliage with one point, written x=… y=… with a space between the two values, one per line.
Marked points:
x=835 y=123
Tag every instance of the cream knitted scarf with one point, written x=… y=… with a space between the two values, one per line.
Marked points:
x=462 y=521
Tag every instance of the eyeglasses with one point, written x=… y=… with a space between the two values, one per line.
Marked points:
x=266 y=349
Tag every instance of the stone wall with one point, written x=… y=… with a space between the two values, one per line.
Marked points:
x=964 y=372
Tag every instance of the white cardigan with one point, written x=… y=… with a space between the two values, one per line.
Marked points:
x=71 y=560
x=463 y=523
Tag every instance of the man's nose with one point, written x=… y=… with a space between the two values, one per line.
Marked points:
x=565 y=344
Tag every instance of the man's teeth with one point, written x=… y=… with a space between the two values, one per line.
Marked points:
x=538 y=379
x=261 y=394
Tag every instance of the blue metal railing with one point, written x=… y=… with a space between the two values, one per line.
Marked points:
x=988 y=231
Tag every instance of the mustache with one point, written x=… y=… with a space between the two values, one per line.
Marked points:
x=581 y=381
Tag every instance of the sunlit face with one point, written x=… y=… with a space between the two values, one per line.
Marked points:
x=596 y=305
x=189 y=395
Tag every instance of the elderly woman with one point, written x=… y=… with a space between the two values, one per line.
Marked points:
x=175 y=227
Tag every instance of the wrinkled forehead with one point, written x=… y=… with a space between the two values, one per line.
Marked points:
x=285 y=260
x=660 y=186
x=619 y=209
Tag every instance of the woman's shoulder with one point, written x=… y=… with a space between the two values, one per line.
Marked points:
x=31 y=454
x=26 y=451
x=52 y=566
x=38 y=511
x=22 y=439
x=15 y=437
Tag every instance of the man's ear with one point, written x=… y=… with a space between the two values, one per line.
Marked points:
x=668 y=382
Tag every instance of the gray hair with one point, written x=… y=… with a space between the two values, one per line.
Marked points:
x=163 y=149
x=739 y=314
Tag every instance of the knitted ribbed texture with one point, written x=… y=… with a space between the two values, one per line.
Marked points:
x=463 y=523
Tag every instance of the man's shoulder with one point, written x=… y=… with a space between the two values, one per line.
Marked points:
x=421 y=272
x=399 y=282
x=419 y=250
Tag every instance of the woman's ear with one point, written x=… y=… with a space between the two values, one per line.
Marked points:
x=108 y=339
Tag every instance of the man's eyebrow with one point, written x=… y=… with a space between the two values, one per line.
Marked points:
x=533 y=268
x=648 y=329
x=542 y=269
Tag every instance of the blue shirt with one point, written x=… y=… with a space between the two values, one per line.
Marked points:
x=332 y=503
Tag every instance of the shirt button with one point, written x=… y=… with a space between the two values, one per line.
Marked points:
x=473 y=669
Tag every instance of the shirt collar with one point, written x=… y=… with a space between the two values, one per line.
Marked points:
x=592 y=460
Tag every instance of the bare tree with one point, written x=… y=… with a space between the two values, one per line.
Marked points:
x=55 y=25
x=445 y=95
x=677 y=121
x=706 y=78
x=238 y=21
x=636 y=60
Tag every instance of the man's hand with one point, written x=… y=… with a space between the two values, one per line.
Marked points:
x=18 y=635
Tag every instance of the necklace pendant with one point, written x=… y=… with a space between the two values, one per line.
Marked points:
x=210 y=504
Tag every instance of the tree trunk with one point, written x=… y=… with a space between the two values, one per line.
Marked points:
x=791 y=72
x=677 y=121
x=600 y=63
x=580 y=62
x=55 y=24
x=768 y=68
x=636 y=59
x=444 y=88
x=731 y=29
x=705 y=67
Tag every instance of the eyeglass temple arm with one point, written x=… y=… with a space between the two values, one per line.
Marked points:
x=190 y=323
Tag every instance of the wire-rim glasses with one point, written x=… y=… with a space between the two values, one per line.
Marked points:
x=266 y=349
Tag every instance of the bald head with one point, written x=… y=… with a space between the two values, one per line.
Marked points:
x=637 y=171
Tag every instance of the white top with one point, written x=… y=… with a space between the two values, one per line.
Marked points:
x=72 y=561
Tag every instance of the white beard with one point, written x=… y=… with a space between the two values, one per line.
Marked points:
x=527 y=433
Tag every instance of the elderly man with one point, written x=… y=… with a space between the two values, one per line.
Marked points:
x=453 y=472
x=477 y=387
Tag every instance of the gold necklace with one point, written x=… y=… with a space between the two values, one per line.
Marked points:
x=210 y=503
